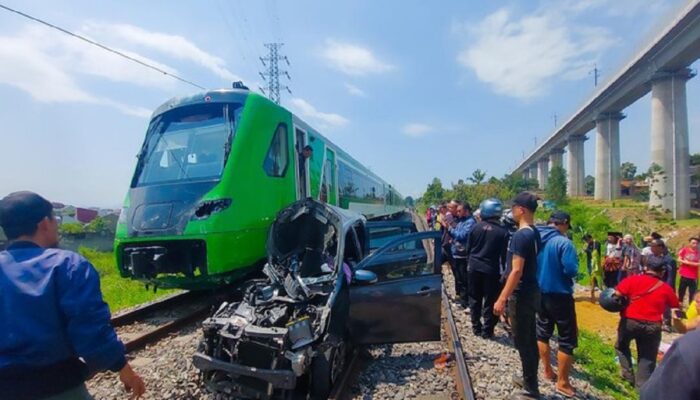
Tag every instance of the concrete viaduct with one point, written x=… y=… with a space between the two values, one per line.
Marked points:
x=661 y=68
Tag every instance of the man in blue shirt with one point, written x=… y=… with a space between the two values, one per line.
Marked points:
x=557 y=268
x=459 y=229
x=55 y=328
x=521 y=292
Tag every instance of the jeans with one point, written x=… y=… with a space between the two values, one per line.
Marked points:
x=647 y=336
x=459 y=270
x=691 y=285
x=522 y=307
x=483 y=292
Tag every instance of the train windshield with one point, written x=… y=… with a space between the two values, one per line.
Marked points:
x=186 y=144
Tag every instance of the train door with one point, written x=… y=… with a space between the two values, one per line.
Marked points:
x=302 y=164
x=330 y=182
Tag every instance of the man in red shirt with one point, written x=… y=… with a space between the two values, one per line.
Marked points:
x=689 y=257
x=641 y=321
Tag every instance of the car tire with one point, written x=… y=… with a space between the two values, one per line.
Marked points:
x=325 y=371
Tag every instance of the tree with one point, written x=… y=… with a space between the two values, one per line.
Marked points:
x=518 y=183
x=556 y=185
x=71 y=228
x=695 y=159
x=477 y=177
x=434 y=193
x=628 y=170
x=589 y=185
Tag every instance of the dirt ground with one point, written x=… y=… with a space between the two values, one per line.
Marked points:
x=591 y=317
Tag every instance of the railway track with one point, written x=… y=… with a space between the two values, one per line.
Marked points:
x=151 y=322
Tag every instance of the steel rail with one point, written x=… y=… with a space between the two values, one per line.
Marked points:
x=462 y=378
x=135 y=314
x=158 y=333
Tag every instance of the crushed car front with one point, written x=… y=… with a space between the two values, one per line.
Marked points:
x=260 y=346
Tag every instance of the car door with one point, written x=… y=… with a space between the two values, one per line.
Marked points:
x=403 y=305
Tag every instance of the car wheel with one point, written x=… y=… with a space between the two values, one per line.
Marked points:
x=325 y=371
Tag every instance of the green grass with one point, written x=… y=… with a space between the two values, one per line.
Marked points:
x=597 y=361
x=118 y=292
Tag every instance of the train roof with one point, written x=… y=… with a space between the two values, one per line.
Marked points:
x=213 y=96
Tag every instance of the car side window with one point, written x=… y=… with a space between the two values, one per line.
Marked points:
x=404 y=260
x=277 y=158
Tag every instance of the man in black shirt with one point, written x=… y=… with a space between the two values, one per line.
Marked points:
x=522 y=292
x=486 y=249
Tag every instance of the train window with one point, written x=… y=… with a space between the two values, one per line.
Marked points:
x=277 y=157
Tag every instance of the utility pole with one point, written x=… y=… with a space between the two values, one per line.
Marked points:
x=555 y=119
x=272 y=75
x=596 y=74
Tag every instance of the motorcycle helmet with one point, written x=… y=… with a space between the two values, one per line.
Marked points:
x=611 y=302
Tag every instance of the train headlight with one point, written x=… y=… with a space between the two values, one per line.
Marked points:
x=209 y=207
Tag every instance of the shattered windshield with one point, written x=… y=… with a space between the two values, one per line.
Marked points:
x=305 y=248
x=187 y=143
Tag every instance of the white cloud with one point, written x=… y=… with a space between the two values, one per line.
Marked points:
x=308 y=111
x=416 y=129
x=520 y=57
x=353 y=59
x=354 y=90
x=171 y=45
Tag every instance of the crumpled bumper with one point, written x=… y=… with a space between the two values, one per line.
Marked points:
x=279 y=379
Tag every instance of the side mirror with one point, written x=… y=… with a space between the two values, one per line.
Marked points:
x=364 y=277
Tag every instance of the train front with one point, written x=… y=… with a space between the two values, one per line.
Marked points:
x=174 y=227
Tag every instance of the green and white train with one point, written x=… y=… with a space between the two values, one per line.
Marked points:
x=213 y=171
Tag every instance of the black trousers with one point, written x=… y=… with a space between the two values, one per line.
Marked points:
x=483 y=292
x=647 y=336
x=558 y=310
x=610 y=278
x=687 y=284
x=522 y=307
x=459 y=270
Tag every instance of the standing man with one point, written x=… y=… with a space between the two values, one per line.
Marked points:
x=613 y=259
x=632 y=257
x=557 y=269
x=689 y=257
x=459 y=232
x=55 y=330
x=304 y=157
x=522 y=292
x=486 y=249
x=641 y=320
x=592 y=250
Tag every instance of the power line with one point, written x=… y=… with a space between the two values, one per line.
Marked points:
x=273 y=73
x=103 y=47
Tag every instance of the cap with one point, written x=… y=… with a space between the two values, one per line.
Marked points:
x=560 y=217
x=307 y=147
x=527 y=200
x=614 y=233
x=22 y=209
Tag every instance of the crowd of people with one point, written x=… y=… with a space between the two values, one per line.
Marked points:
x=506 y=266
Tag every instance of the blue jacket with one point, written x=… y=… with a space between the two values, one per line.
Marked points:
x=557 y=262
x=51 y=310
x=460 y=234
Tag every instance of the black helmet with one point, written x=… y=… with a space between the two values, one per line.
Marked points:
x=611 y=302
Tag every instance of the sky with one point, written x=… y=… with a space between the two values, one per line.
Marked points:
x=411 y=90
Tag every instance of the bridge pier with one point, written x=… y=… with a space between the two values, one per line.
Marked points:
x=543 y=172
x=533 y=171
x=670 y=186
x=556 y=158
x=607 y=156
x=576 y=166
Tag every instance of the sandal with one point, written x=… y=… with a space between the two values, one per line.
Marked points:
x=568 y=395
